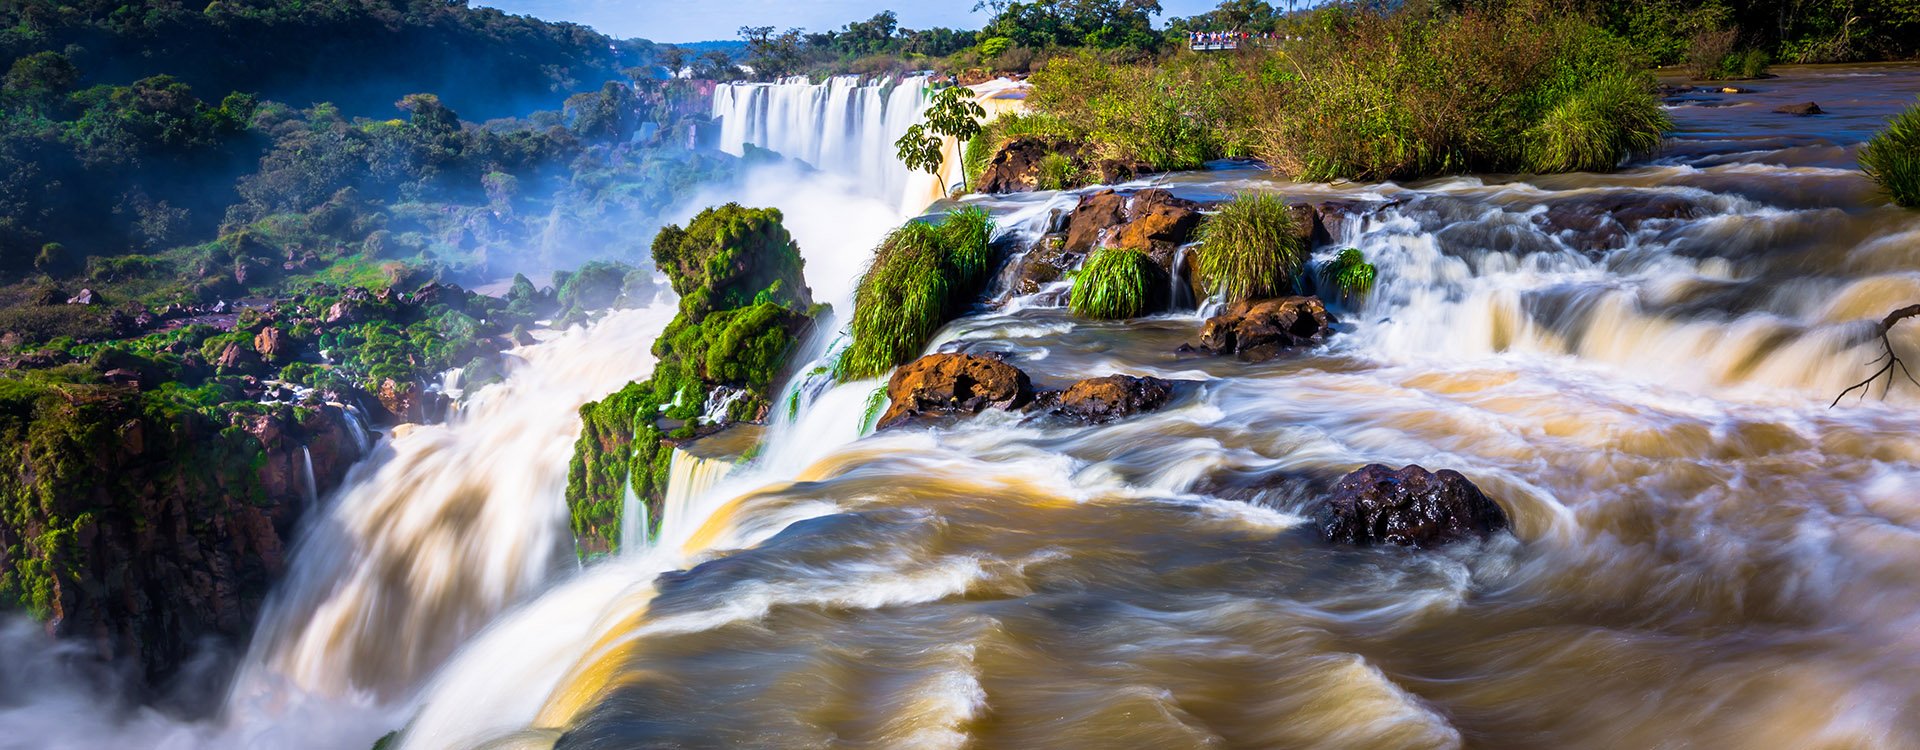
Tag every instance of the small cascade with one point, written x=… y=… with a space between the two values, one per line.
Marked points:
x=633 y=521
x=845 y=126
x=688 y=478
x=309 y=489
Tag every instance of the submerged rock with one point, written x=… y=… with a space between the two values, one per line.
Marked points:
x=1411 y=507
x=1803 y=109
x=1595 y=222
x=1101 y=400
x=1047 y=262
x=1259 y=330
x=951 y=385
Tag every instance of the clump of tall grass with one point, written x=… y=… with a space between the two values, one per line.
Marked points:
x=1117 y=283
x=1596 y=126
x=1250 y=249
x=1892 y=158
x=922 y=276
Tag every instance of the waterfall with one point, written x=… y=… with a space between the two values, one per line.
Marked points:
x=633 y=520
x=844 y=126
x=688 y=478
x=309 y=490
x=453 y=523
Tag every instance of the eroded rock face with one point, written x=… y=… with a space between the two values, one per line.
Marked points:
x=1102 y=400
x=1016 y=166
x=1094 y=219
x=1259 y=330
x=271 y=343
x=1411 y=507
x=938 y=386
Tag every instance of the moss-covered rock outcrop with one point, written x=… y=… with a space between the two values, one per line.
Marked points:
x=142 y=520
x=744 y=305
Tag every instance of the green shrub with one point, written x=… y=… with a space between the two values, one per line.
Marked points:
x=1251 y=249
x=922 y=276
x=1058 y=171
x=1892 y=158
x=1117 y=283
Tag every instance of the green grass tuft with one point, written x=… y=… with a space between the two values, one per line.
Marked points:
x=1350 y=273
x=1250 y=249
x=1892 y=158
x=1115 y=284
x=923 y=275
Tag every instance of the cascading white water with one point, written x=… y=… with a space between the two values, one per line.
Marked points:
x=844 y=126
x=453 y=523
x=308 y=490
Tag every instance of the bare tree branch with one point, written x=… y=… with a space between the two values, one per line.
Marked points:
x=1887 y=356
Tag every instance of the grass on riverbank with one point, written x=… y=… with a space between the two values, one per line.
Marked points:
x=1375 y=96
x=1892 y=158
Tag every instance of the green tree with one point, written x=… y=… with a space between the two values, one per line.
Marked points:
x=1102 y=24
x=953 y=115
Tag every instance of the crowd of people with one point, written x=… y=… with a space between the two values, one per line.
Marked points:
x=1198 y=39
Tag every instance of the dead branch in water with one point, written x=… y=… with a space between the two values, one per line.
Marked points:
x=1891 y=359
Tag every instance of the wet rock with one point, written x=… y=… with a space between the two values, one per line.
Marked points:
x=950 y=385
x=1259 y=330
x=1157 y=220
x=1411 y=507
x=1598 y=222
x=1101 y=400
x=271 y=343
x=1803 y=109
x=1046 y=263
x=1115 y=170
x=1094 y=219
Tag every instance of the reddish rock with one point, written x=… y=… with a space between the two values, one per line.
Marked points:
x=1157 y=221
x=1015 y=168
x=271 y=343
x=237 y=358
x=1094 y=219
x=1411 y=507
x=1259 y=330
x=937 y=386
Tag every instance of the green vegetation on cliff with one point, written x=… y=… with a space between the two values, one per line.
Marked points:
x=744 y=305
x=1892 y=158
x=922 y=276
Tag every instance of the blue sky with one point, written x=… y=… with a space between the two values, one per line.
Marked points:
x=702 y=20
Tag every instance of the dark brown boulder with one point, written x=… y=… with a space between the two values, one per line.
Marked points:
x=1411 y=507
x=1803 y=109
x=1015 y=168
x=1101 y=400
x=1094 y=219
x=950 y=385
x=1259 y=330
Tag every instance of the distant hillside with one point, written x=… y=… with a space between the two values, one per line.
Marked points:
x=362 y=55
